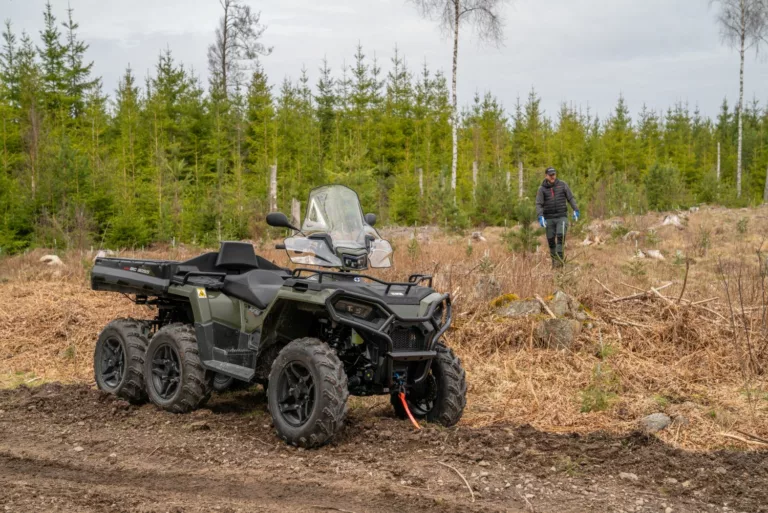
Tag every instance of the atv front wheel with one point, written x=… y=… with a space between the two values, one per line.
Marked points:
x=443 y=395
x=175 y=379
x=118 y=360
x=307 y=393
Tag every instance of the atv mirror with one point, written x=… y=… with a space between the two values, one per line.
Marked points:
x=280 y=220
x=370 y=219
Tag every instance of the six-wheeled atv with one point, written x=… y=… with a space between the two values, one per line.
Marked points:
x=311 y=337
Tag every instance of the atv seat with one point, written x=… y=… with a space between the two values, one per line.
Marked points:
x=256 y=287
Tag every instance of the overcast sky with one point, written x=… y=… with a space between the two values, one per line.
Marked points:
x=585 y=52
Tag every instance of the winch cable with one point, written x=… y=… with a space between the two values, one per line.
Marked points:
x=408 y=411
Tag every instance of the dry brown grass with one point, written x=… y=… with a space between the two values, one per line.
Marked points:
x=639 y=356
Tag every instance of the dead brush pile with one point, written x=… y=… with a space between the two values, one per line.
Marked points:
x=690 y=340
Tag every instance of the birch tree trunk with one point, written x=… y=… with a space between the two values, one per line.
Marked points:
x=273 y=188
x=421 y=182
x=509 y=180
x=474 y=178
x=454 y=102
x=520 y=179
x=295 y=212
x=741 y=110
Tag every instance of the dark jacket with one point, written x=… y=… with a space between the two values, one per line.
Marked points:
x=551 y=198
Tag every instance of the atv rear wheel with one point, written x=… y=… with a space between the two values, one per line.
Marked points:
x=307 y=393
x=223 y=383
x=118 y=359
x=442 y=397
x=175 y=378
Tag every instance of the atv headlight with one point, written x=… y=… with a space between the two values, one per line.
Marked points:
x=361 y=310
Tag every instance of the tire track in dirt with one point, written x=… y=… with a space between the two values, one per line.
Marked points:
x=72 y=448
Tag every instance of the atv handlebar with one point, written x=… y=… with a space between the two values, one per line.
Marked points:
x=279 y=246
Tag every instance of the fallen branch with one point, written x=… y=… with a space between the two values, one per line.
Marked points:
x=609 y=291
x=754 y=437
x=545 y=307
x=685 y=280
x=624 y=322
x=642 y=294
x=740 y=439
x=462 y=478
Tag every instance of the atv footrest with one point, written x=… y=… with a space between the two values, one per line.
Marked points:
x=230 y=369
x=412 y=356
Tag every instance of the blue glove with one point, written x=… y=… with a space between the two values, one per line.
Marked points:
x=576 y=215
x=542 y=222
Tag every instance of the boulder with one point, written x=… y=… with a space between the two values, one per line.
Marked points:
x=557 y=333
x=633 y=235
x=673 y=220
x=560 y=304
x=487 y=287
x=655 y=254
x=478 y=237
x=521 y=308
x=655 y=422
x=104 y=253
x=51 y=260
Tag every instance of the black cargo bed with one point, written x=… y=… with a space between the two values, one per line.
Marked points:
x=133 y=276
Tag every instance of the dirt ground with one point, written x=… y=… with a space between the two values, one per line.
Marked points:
x=72 y=448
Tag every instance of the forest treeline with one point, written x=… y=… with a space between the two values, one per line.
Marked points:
x=168 y=158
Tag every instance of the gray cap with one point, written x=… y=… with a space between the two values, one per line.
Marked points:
x=550 y=171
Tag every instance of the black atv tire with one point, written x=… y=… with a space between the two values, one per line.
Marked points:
x=307 y=393
x=449 y=390
x=223 y=383
x=175 y=378
x=118 y=359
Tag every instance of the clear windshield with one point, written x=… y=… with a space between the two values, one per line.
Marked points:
x=334 y=221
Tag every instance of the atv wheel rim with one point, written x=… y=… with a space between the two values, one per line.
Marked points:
x=296 y=394
x=423 y=405
x=166 y=371
x=112 y=362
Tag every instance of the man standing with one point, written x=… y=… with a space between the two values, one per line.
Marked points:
x=552 y=211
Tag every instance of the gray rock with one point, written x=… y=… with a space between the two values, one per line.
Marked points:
x=78 y=449
x=654 y=253
x=560 y=304
x=487 y=287
x=628 y=476
x=633 y=235
x=655 y=422
x=478 y=237
x=721 y=471
x=520 y=309
x=557 y=333
x=200 y=425
x=51 y=260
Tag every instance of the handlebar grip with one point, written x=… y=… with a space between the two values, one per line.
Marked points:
x=279 y=246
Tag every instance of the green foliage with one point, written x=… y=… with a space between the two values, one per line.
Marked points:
x=662 y=187
x=602 y=390
x=742 y=225
x=703 y=241
x=165 y=159
x=413 y=246
x=652 y=238
x=635 y=268
x=526 y=239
